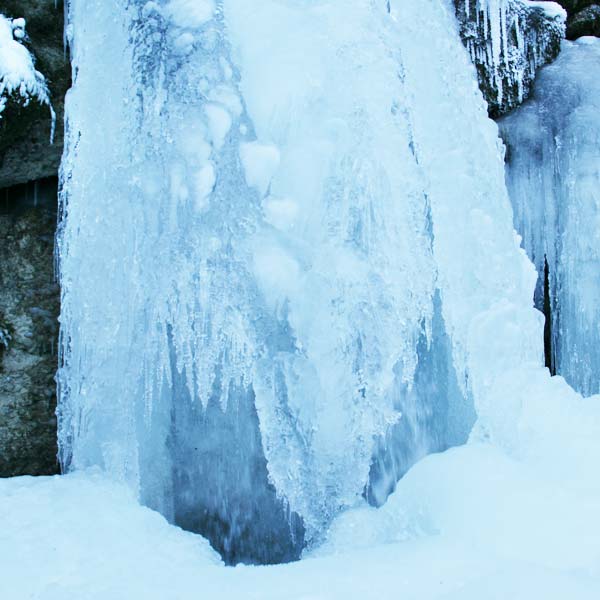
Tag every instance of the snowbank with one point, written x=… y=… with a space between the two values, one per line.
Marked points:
x=468 y=524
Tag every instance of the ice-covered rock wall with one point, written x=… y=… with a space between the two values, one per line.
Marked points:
x=509 y=40
x=553 y=175
x=287 y=255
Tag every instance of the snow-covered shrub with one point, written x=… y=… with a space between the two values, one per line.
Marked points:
x=19 y=79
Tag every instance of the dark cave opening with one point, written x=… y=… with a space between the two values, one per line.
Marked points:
x=549 y=356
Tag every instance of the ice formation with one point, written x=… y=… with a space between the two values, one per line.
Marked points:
x=553 y=176
x=287 y=257
x=18 y=76
x=509 y=40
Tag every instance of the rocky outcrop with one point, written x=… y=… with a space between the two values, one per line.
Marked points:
x=29 y=295
x=509 y=40
x=583 y=17
x=26 y=150
x=584 y=22
x=28 y=330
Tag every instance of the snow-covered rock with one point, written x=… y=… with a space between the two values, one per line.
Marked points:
x=509 y=40
x=28 y=150
x=19 y=80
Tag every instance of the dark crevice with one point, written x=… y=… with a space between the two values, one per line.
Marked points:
x=41 y=194
x=547 y=310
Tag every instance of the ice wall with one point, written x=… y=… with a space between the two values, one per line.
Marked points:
x=553 y=176
x=288 y=262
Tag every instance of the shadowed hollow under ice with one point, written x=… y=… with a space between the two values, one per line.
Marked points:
x=288 y=264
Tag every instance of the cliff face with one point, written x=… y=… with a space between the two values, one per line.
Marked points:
x=26 y=151
x=28 y=328
x=29 y=296
x=584 y=19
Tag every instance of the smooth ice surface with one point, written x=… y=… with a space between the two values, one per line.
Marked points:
x=18 y=76
x=290 y=271
x=553 y=176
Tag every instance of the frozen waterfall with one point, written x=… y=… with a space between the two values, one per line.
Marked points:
x=554 y=181
x=287 y=256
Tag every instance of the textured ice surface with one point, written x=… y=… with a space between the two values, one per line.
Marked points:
x=287 y=256
x=553 y=175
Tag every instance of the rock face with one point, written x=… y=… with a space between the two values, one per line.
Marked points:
x=29 y=296
x=583 y=17
x=28 y=329
x=509 y=40
x=584 y=22
x=26 y=153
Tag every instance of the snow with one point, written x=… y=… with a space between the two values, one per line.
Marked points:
x=468 y=524
x=18 y=76
x=554 y=182
x=86 y=537
x=553 y=9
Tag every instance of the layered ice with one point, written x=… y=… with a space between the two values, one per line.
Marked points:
x=287 y=257
x=553 y=176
